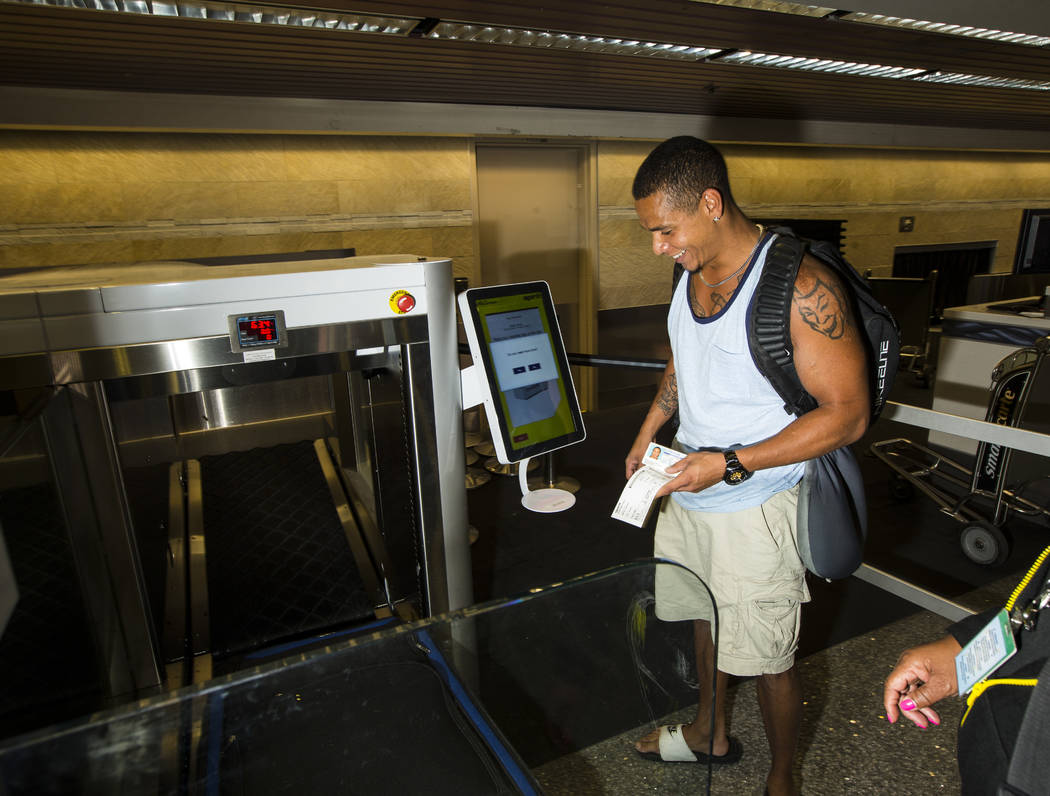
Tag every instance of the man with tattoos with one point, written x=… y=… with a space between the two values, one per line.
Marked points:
x=731 y=513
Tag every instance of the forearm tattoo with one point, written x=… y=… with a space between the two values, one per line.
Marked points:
x=667 y=400
x=823 y=308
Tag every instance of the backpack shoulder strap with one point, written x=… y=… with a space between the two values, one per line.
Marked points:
x=769 y=324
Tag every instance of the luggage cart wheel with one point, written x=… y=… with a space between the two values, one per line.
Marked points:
x=984 y=543
x=901 y=488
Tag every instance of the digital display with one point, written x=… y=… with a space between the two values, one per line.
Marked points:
x=257 y=330
x=525 y=366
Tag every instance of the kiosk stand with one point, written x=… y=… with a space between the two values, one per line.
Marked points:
x=521 y=376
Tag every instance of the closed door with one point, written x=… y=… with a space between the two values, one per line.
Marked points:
x=531 y=204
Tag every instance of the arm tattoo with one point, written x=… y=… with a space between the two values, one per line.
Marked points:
x=823 y=308
x=667 y=400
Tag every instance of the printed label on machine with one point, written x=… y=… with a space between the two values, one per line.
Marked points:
x=261 y=355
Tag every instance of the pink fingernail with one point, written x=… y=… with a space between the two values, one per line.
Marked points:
x=934 y=721
x=907 y=704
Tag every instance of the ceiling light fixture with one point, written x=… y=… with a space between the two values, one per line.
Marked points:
x=946 y=28
x=520 y=37
x=235 y=12
x=610 y=45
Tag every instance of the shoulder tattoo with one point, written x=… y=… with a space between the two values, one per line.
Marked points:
x=822 y=306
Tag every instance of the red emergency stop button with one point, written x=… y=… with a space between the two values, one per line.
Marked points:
x=401 y=301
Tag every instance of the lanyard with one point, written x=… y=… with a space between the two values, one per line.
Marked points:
x=1024 y=617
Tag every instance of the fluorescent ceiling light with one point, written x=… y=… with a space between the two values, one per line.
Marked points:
x=520 y=37
x=826 y=65
x=946 y=28
x=983 y=80
x=250 y=13
x=611 y=45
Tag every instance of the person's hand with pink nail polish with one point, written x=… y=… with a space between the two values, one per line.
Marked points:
x=923 y=676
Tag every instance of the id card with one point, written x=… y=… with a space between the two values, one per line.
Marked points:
x=985 y=652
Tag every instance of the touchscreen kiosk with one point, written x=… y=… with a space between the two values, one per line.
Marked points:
x=521 y=375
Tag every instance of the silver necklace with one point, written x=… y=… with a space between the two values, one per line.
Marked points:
x=747 y=262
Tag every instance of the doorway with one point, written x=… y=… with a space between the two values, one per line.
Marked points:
x=535 y=215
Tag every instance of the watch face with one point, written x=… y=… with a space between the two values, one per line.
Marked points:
x=735 y=472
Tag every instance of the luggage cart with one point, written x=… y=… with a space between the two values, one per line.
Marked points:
x=956 y=488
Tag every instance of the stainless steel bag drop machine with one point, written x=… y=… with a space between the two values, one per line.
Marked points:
x=199 y=462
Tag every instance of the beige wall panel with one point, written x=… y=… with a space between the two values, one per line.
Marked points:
x=448 y=194
x=463 y=266
x=29 y=203
x=214 y=158
x=828 y=189
x=452 y=241
x=47 y=254
x=617 y=297
x=387 y=196
x=615 y=191
x=91 y=157
x=146 y=201
x=376 y=158
x=283 y=199
x=634 y=277
x=196 y=247
x=617 y=163
x=389 y=241
x=620 y=233
x=27 y=158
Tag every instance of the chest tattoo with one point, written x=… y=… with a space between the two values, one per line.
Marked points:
x=717 y=300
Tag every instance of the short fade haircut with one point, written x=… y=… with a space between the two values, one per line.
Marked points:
x=682 y=168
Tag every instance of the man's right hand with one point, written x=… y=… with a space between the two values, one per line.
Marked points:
x=636 y=454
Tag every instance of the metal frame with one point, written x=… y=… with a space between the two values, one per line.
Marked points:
x=422 y=344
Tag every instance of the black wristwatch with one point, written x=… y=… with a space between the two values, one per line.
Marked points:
x=735 y=472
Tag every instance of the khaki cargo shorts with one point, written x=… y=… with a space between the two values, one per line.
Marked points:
x=749 y=560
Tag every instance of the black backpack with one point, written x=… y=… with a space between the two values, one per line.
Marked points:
x=769 y=335
x=832 y=507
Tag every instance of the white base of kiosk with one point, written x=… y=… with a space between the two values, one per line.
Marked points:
x=545 y=501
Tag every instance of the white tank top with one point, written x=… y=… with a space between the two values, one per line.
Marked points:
x=723 y=400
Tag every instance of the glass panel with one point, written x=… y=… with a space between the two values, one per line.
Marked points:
x=48 y=664
x=484 y=700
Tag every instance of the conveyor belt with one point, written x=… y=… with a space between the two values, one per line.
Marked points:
x=48 y=669
x=278 y=561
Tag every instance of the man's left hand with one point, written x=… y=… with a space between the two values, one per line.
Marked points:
x=695 y=472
